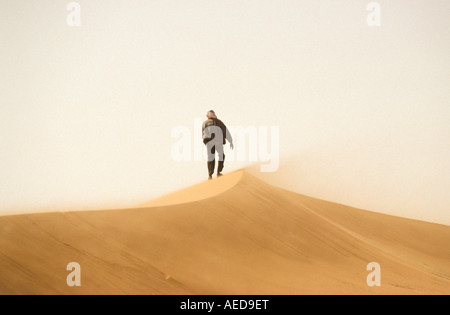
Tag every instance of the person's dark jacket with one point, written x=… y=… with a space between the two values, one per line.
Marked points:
x=215 y=122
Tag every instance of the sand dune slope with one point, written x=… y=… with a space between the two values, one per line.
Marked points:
x=252 y=238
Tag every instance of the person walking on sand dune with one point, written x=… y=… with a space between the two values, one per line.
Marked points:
x=215 y=134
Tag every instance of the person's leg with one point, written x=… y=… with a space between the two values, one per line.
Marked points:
x=211 y=157
x=219 y=148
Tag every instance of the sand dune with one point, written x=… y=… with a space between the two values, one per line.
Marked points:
x=198 y=192
x=233 y=235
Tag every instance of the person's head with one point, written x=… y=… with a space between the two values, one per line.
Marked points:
x=211 y=114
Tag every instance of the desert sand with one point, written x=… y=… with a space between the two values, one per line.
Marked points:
x=232 y=235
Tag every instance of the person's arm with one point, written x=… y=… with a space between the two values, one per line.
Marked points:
x=228 y=136
x=205 y=138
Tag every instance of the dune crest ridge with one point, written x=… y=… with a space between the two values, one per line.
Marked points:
x=247 y=237
x=204 y=190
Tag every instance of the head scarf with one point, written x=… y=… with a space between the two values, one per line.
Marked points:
x=211 y=114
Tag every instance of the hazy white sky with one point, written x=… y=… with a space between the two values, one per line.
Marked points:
x=87 y=112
